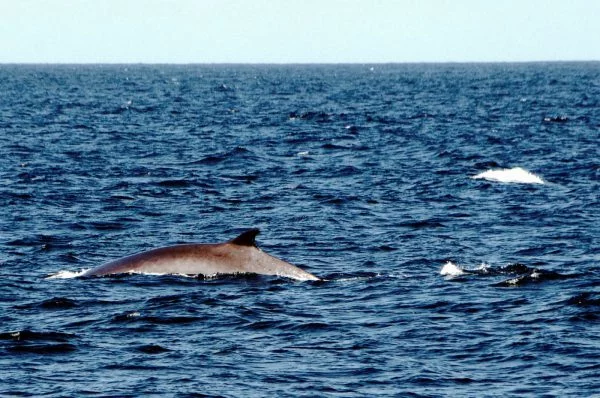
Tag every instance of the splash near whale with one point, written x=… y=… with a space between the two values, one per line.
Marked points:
x=519 y=274
x=237 y=256
x=514 y=175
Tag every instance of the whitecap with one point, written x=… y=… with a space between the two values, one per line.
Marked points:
x=66 y=274
x=514 y=175
x=451 y=269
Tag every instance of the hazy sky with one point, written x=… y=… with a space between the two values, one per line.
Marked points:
x=298 y=31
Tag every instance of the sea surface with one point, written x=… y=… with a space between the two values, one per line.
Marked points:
x=435 y=283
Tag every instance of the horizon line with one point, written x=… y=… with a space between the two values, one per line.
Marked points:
x=301 y=63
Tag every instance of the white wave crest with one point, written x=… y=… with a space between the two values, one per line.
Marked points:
x=451 y=269
x=66 y=274
x=515 y=175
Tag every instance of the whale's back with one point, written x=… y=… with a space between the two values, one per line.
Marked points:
x=240 y=255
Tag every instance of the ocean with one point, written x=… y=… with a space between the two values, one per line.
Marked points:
x=452 y=211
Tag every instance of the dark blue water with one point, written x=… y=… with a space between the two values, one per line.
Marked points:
x=358 y=174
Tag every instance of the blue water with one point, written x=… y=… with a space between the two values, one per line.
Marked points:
x=360 y=174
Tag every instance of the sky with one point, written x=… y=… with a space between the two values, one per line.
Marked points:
x=298 y=31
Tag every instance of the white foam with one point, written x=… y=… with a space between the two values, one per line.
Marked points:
x=483 y=268
x=133 y=314
x=66 y=274
x=514 y=175
x=513 y=281
x=451 y=269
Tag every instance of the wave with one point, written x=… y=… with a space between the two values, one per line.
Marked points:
x=66 y=274
x=519 y=274
x=514 y=175
x=33 y=342
x=451 y=269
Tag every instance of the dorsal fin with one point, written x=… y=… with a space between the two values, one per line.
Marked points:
x=246 y=238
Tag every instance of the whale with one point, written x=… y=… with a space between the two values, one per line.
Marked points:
x=240 y=255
